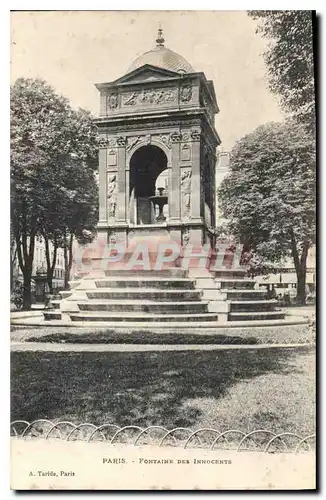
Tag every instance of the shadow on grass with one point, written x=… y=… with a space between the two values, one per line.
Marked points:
x=133 y=387
x=142 y=337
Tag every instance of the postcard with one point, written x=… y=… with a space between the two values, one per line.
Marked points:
x=163 y=250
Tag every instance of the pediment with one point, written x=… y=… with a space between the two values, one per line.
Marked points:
x=146 y=73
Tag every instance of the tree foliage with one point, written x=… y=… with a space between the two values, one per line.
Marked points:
x=53 y=160
x=290 y=59
x=268 y=197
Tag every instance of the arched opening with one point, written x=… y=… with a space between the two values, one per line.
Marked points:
x=146 y=165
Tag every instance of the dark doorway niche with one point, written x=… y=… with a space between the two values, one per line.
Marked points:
x=146 y=164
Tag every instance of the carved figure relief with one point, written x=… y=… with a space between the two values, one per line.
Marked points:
x=165 y=139
x=175 y=137
x=132 y=141
x=185 y=93
x=111 y=195
x=121 y=141
x=149 y=97
x=130 y=99
x=113 y=100
x=195 y=135
x=185 y=236
x=185 y=193
x=113 y=237
x=102 y=141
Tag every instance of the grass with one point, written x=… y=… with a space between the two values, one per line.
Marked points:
x=266 y=335
x=269 y=388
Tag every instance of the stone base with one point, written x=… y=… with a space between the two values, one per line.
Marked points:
x=145 y=290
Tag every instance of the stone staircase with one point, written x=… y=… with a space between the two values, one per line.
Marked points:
x=139 y=297
x=246 y=303
x=169 y=297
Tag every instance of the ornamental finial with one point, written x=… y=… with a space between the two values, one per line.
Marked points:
x=160 y=38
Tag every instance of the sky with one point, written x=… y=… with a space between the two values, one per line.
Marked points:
x=73 y=50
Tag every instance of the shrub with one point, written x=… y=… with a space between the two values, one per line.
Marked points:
x=17 y=295
x=312 y=326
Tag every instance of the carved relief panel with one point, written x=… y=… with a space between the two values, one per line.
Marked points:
x=185 y=193
x=112 y=195
x=118 y=100
x=102 y=141
x=149 y=97
x=112 y=237
x=185 y=152
x=134 y=99
x=112 y=158
x=185 y=93
x=112 y=101
x=163 y=139
x=207 y=105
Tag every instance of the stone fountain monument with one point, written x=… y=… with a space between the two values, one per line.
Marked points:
x=157 y=157
x=157 y=120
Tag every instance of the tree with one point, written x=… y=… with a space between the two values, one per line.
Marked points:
x=290 y=60
x=72 y=212
x=13 y=257
x=268 y=197
x=50 y=145
x=81 y=220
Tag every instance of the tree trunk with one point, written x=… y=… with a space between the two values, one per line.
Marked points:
x=25 y=251
x=71 y=240
x=25 y=256
x=13 y=259
x=27 y=292
x=65 y=256
x=301 y=288
x=50 y=266
x=300 y=264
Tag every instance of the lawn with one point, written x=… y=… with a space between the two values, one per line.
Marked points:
x=245 y=389
x=290 y=334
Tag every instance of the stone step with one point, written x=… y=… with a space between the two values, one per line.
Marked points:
x=236 y=283
x=142 y=317
x=129 y=293
x=145 y=282
x=230 y=273
x=145 y=306
x=244 y=294
x=253 y=305
x=51 y=314
x=169 y=272
x=247 y=316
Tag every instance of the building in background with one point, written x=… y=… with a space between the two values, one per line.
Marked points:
x=284 y=280
x=39 y=264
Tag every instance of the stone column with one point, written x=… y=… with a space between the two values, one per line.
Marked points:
x=121 y=180
x=127 y=200
x=195 y=177
x=174 y=181
x=213 y=187
x=103 y=218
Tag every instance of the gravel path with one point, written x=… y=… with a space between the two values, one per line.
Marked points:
x=49 y=346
